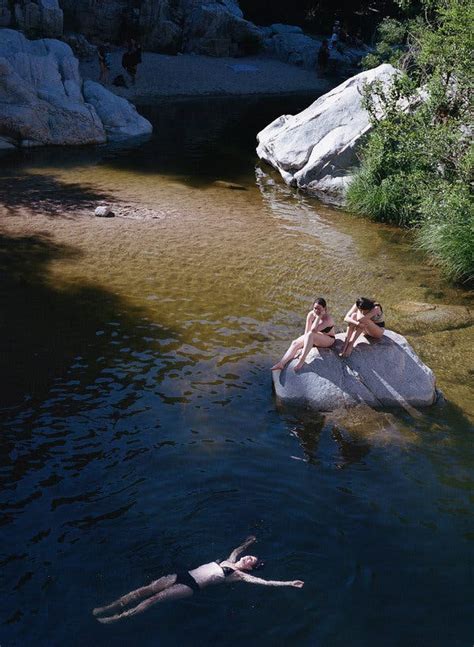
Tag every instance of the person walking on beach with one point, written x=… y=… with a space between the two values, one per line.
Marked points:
x=323 y=56
x=104 y=64
x=184 y=584
x=132 y=58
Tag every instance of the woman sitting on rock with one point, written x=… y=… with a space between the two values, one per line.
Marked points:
x=319 y=332
x=185 y=583
x=364 y=318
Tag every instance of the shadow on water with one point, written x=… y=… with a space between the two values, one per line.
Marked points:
x=50 y=196
x=193 y=141
x=45 y=328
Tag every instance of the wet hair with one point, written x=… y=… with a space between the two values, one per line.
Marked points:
x=320 y=301
x=363 y=303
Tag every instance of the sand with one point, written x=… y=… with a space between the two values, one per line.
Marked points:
x=160 y=76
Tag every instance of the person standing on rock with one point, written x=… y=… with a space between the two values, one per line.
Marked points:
x=319 y=332
x=364 y=318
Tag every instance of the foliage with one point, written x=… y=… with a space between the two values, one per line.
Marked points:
x=417 y=163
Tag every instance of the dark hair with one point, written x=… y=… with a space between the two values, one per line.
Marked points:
x=320 y=301
x=363 y=303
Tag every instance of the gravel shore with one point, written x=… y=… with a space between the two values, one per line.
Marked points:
x=160 y=76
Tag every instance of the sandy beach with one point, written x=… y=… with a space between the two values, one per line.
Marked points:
x=160 y=76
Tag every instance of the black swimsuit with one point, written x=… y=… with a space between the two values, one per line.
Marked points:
x=326 y=331
x=185 y=577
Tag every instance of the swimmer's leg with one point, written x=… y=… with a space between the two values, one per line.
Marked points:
x=134 y=596
x=175 y=592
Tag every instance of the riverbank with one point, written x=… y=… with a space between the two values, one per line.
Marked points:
x=160 y=76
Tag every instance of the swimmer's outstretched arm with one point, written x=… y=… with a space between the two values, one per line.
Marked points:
x=240 y=549
x=251 y=579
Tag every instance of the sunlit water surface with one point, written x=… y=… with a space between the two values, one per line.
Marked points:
x=140 y=433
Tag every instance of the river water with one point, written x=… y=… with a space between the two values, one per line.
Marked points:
x=139 y=430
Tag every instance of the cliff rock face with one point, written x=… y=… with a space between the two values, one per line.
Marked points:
x=34 y=17
x=315 y=150
x=212 y=27
x=42 y=100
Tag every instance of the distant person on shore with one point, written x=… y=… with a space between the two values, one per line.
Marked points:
x=132 y=58
x=364 y=318
x=185 y=583
x=323 y=56
x=319 y=332
x=104 y=64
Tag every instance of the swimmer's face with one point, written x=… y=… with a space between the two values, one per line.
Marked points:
x=247 y=563
x=318 y=309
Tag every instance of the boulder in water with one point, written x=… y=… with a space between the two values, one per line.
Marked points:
x=381 y=373
x=315 y=150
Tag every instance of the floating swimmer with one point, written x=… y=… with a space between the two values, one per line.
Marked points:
x=185 y=583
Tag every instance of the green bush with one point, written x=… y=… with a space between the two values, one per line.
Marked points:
x=417 y=162
x=447 y=231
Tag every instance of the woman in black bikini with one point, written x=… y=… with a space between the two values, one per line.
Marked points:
x=185 y=583
x=364 y=318
x=319 y=331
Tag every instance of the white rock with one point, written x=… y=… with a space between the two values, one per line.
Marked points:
x=120 y=118
x=42 y=102
x=380 y=373
x=315 y=149
x=104 y=212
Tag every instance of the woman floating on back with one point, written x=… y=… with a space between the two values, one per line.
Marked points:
x=319 y=332
x=185 y=583
x=364 y=318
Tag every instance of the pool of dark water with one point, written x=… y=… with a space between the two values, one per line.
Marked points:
x=139 y=430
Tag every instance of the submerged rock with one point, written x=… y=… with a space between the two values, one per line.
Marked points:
x=42 y=101
x=315 y=150
x=381 y=373
x=423 y=317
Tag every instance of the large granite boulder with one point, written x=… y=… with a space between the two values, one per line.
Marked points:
x=216 y=29
x=380 y=373
x=209 y=27
x=119 y=117
x=290 y=44
x=315 y=150
x=41 y=98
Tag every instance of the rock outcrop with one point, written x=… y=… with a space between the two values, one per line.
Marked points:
x=209 y=27
x=379 y=373
x=35 y=18
x=42 y=100
x=119 y=117
x=315 y=150
x=290 y=44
